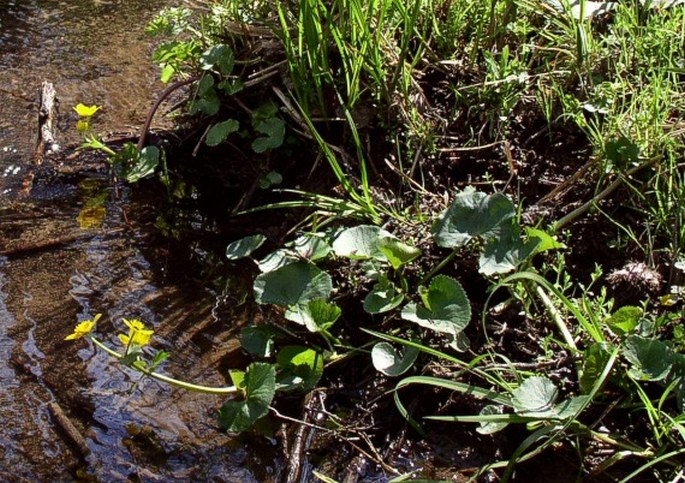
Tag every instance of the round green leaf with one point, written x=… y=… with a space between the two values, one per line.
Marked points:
x=244 y=247
x=471 y=214
x=293 y=284
x=491 y=427
x=301 y=367
x=397 y=252
x=536 y=394
x=260 y=387
x=446 y=308
x=383 y=297
x=220 y=131
x=316 y=315
x=391 y=362
x=361 y=242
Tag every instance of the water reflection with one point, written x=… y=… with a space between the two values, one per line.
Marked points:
x=57 y=271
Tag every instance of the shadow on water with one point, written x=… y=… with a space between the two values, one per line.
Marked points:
x=57 y=269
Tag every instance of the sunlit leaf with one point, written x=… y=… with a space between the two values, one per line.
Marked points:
x=316 y=315
x=244 y=247
x=446 y=307
x=651 y=359
x=383 y=297
x=293 y=284
x=219 y=56
x=624 y=320
x=361 y=242
x=397 y=252
x=491 y=427
x=144 y=165
x=260 y=388
x=536 y=395
x=504 y=252
x=389 y=361
x=301 y=367
x=471 y=214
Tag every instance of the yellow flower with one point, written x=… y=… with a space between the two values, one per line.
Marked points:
x=137 y=333
x=86 y=111
x=83 y=328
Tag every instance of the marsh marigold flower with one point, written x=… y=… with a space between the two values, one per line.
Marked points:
x=137 y=333
x=83 y=328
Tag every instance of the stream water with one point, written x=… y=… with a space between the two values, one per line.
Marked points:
x=57 y=269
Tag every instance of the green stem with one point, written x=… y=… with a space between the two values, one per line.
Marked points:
x=440 y=266
x=167 y=379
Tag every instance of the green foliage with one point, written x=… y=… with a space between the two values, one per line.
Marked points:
x=445 y=308
x=292 y=284
x=244 y=247
x=258 y=387
x=301 y=368
x=219 y=132
x=389 y=361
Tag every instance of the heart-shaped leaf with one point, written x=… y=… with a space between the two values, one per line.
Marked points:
x=316 y=315
x=471 y=214
x=624 y=320
x=301 y=367
x=219 y=56
x=293 y=284
x=220 y=131
x=535 y=396
x=505 y=251
x=651 y=359
x=244 y=247
x=391 y=362
x=397 y=252
x=274 y=129
x=491 y=427
x=446 y=308
x=361 y=242
x=259 y=388
x=383 y=297
x=144 y=165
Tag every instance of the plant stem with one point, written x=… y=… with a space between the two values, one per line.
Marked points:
x=167 y=379
x=439 y=266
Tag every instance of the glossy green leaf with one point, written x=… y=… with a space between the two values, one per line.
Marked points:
x=219 y=132
x=316 y=315
x=301 y=367
x=260 y=388
x=471 y=214
x=545 y=241
x=311 y=246
x=293 y=284
x=397 y=252
x=624 y=320
x=491 y=427
x=391 y=362
x=244 y=247
x=218 y=56
x=536 y=395
x=144 y=165
x=361 y=242
x=446 y=307
x=383 y=297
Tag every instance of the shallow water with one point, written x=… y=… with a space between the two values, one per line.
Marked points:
x=55 y=271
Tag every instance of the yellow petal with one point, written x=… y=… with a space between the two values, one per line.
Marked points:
x=134 y=324
x=86 y=111
x=142 y=337
x=83 y=328
x=124 y=339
